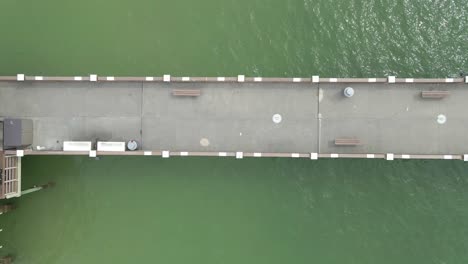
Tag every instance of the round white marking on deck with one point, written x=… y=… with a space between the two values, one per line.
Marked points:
x=240 y=133
x=441 y=119
x=204 y=142
x=348 y=92
x=277 y=118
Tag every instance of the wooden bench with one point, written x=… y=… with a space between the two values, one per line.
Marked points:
x=434 y=94
x=192 y=93
x=347 y=142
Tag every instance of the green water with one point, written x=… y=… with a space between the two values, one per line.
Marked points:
x=215 y=210
x=337 y=38
x=220 y=210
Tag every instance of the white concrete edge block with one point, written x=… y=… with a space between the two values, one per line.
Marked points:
x=448 y=157
x=315 y=79
x=334 y=155
x=149 y=79
x=391 y=79
x=20 y=77
x=372 y=80
x=297 y=80
x=221 y=79
x=295 y=155
x=185 y=79
x=148 y=153
x=449 y=80
x=239 y=155
x=222 y=154
x=390 y=156
x=92 y=154
x=258 y=79
x=19 y=153
x=370 y=156
x=184 y=153
x=465 y=157
x=466 y=79
x=405 y=156
x=110 y=78
x=93 y=78
x=333 y=80
x=38 y=78
x=241 y=78
x=167 y=78
x=257 y=154
x=409 y=80
x=77 y=78
x=314 y=156
x=165 y=154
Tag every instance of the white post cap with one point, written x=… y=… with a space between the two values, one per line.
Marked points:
x=314 y=156
x=390 y=156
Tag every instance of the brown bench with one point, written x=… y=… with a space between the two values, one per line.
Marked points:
x=347 y=142
x=179 y=92
x=434 y=94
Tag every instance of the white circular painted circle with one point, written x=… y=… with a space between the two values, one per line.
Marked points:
x=204 y=142
x=441 y=119
x=277 y=118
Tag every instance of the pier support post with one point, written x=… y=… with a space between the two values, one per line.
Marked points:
x=8 y=259
x=167 y=78
x=315 y=79
x=5 y=208
x=391 y=79
x=390 y=156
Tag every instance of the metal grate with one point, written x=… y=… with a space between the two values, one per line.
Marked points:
x=10 y=177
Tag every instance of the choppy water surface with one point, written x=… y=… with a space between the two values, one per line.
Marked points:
x=220 y=210
x=215 y=210
x=337 y=38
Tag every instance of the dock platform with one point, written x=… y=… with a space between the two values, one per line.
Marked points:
x=235 y=115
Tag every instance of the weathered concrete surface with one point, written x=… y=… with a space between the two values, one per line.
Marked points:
x=393 y=118
x=226 y=117
x=387 y=118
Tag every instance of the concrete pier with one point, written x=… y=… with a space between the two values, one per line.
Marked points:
x=231 y=116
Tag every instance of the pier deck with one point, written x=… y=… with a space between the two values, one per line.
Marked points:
x=232 y=116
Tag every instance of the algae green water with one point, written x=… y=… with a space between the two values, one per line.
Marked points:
x=221 y=210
